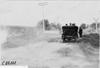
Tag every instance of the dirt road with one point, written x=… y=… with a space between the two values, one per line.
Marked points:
x=52 y=53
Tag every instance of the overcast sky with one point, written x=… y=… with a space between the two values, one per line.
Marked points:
x=29 y=12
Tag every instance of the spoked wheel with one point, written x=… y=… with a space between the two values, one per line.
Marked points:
x=69 y=40
x=75 y=40
x=64 y=40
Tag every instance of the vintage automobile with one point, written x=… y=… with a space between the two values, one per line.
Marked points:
x=69 y=33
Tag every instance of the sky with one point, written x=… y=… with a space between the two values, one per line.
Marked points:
x=28 y=13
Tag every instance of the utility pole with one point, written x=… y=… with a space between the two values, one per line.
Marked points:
x=96 y=21
x=43 y=4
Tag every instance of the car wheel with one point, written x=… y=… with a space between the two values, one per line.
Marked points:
x=63 y=39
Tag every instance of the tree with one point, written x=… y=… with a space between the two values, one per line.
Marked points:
x=58 y=26
x=93 y=25
x=46 y=24
x=83 y=26
x=53 y=26
x=40 y=24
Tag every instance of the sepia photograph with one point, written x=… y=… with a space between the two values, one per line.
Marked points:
x=50 y=34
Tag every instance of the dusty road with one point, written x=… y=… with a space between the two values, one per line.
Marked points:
x=52 y=53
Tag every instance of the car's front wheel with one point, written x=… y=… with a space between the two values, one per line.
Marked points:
x=63 y=39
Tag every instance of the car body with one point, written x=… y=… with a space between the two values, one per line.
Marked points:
x=69 y=32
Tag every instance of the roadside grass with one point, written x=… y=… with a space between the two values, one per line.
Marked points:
x=89 y=44
x=21 y=36
x=92 y=39
x=13 y=43
x=27 y=35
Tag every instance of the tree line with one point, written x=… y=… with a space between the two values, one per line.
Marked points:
x=48 y=25
x=93 y=25
x=57 y=26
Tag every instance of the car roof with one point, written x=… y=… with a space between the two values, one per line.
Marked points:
x=69 y=27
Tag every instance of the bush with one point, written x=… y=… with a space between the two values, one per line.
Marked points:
x=83 y=26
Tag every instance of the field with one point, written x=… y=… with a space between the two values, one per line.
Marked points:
x=30 y=46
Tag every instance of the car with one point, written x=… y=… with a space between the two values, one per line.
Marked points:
x=69 y=33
